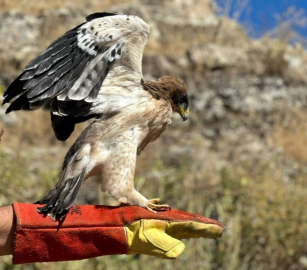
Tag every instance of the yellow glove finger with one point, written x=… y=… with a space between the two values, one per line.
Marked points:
x=149 y=237
x=192 y=229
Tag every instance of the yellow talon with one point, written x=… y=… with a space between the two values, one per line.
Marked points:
x=154 y=204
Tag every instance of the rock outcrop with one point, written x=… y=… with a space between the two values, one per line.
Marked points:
x=239 y=88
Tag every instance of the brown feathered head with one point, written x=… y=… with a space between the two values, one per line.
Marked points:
x=172 y=89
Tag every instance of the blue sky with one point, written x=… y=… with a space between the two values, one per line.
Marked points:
x=258 y=16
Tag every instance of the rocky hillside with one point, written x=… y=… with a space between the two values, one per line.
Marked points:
x=238 y=86
x=243 y=148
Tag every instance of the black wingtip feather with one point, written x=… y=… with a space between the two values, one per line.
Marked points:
x=99 y=15
x=14 y=89
x=21 y=103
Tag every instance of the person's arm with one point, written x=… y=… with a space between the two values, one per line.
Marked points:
x=6 y=224
x=6 y=229
x=90 y=231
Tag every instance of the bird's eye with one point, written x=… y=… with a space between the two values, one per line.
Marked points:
x=184 y=102
x=183 y=98
x=185 y=105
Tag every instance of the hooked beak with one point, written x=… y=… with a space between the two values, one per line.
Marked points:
x=184 y=113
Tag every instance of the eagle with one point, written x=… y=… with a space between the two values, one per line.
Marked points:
x=95 y=71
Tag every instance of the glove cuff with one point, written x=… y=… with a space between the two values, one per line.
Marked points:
x=39 y=239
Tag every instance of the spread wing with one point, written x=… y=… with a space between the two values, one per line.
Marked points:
x=67 y=77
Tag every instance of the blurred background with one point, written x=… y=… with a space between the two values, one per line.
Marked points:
x=241 y=158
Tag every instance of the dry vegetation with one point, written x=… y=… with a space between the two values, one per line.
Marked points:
x=265 y=215
x=292 y=136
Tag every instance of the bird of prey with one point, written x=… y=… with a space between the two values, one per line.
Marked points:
x=95 y=71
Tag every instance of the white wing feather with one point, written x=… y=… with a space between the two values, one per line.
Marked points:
x=84 y=62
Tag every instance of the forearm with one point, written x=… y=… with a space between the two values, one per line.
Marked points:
x=6 y=230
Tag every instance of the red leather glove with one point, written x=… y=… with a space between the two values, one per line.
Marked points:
x=90 y=231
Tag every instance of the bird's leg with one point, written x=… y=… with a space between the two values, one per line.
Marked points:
x=119 y=170
x=130 y=197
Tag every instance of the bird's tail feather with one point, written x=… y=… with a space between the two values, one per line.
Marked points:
x=61 y=198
